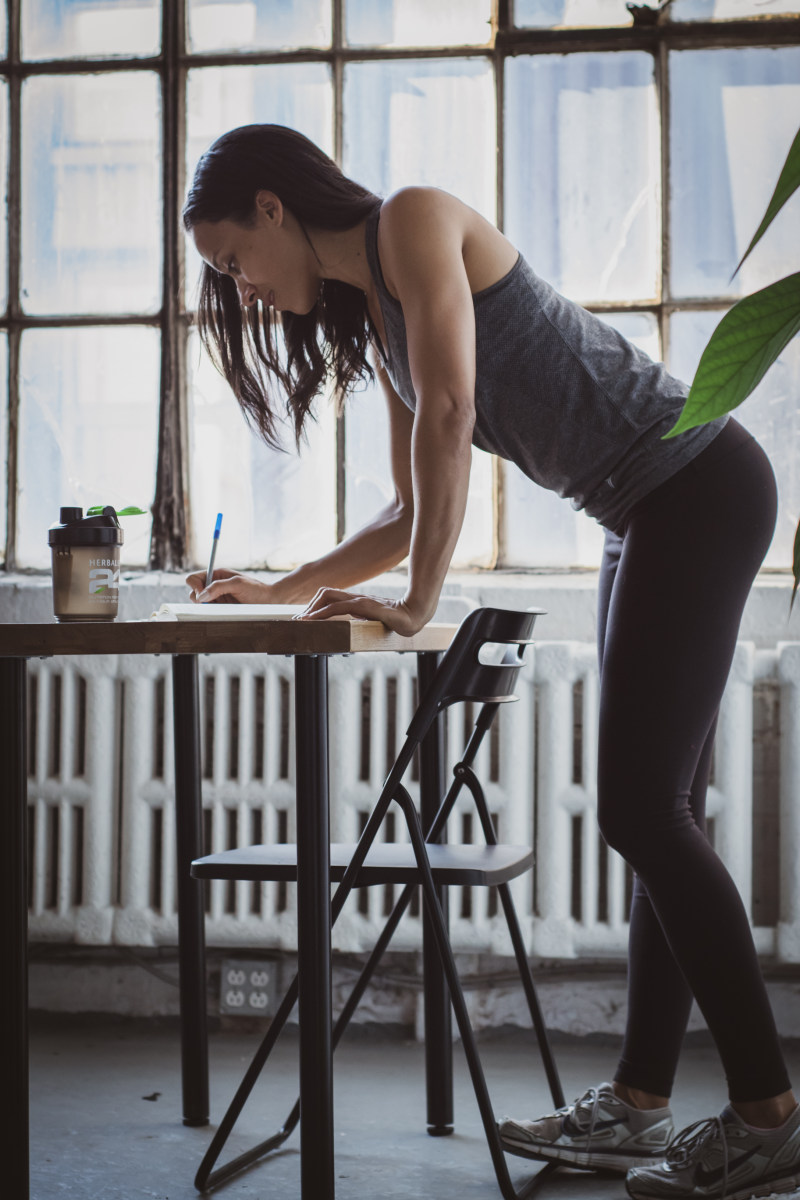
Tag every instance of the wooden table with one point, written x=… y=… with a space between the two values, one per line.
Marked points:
x=310 y=644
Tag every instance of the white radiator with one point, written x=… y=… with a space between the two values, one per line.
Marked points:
x=102 y=811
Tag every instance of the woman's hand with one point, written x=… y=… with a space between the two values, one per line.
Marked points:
x=395 y=614
x=229 y=587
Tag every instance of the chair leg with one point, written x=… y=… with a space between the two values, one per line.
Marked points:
x=507 y=1188
x=464 y=773
x=206 y=1178
x=534 y=1008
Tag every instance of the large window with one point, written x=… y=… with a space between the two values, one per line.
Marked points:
x=628 y=156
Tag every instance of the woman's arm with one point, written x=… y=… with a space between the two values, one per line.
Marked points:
x=378 y=547
x=421 y=248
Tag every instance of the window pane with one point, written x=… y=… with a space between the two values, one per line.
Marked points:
x=280 y=508
x=4 y=193
x=88 y=431
x=426 y=122
x=215 y=25
x=369 y=479
x=549 y=13
x=429 y=123
x=369 y=484
x=542 y=529
x=222 y=98
x=90 y=28
x=725 y=166
x=770 y=413
x=91 y=194
x=3 y=27
x=3 y=437
x=582 y=165
x=728 y=10
x=418 y=22
x=639 y=328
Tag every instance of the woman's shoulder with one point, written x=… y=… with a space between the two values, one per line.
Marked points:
x=414 y=197
x=417 y=224
x=417 y=213
x=420 y=222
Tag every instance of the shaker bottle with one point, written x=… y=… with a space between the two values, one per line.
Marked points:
x=86 y=554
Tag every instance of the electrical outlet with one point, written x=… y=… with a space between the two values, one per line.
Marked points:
x=247 y=988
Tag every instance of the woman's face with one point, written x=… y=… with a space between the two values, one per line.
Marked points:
x=270 y=260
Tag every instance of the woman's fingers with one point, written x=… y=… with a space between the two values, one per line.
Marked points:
x=221 y=591
x=196 y=582
x=327 y=600
x=354 y=607
x=330 y=602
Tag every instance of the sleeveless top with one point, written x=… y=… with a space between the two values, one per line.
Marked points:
x=560 y=393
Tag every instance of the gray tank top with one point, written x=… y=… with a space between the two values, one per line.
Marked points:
x=560 y=393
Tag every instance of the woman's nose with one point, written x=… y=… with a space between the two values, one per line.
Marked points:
x=247 y=293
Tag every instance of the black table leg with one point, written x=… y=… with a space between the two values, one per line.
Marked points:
x=191 y=931
x=14 y=1132
x=438 y=1013
x=314 y=928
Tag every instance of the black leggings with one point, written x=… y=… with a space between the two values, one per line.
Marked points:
x=672 y=591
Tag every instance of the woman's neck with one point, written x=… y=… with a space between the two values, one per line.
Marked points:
x=342 y=254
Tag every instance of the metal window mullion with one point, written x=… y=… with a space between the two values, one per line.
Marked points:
x=500 y=19
x=779 y=31
x=775 y=32
x=337 y=70
x=348 y=54
x=67 y=321
x=665 y=287
x=14 y=211
x=170 y=519
x=82 y=66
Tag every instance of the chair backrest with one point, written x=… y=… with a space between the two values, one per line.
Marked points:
x=462 y=675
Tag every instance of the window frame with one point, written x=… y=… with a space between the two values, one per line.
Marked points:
x=170 y=542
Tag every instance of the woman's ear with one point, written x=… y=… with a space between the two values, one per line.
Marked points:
x=269 y=207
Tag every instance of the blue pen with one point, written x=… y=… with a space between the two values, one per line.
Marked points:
x=210 y=571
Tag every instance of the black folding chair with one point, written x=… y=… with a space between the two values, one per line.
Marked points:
x=481 y=666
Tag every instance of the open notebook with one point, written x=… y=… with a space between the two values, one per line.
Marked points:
x=228 y=612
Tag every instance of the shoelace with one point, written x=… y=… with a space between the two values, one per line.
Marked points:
x=589 y=1100
x=691 y=1140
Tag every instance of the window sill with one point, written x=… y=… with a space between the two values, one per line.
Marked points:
x=568 y=597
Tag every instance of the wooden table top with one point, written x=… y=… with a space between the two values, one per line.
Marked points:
x=213 y=637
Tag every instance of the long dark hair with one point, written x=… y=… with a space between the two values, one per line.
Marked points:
x=335 y=335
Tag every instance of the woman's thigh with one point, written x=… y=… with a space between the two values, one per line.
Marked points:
x=689 y=556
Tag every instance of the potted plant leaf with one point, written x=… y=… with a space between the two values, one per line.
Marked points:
x=750 y=337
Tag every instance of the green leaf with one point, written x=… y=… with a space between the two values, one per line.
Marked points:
x=788 y=183
x=742 y=348
x=131 y=511
x=795 y=566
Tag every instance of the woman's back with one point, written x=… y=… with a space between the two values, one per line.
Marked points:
x=557 y=391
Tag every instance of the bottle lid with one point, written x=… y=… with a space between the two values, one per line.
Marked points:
x=76 y=530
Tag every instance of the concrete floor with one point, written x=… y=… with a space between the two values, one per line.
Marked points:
x=106 y=1116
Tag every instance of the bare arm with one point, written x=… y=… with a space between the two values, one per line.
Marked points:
x=422 y=253
x=379 y=546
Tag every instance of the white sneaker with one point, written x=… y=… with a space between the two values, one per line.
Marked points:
x=598 y=1132
x=724 y=1159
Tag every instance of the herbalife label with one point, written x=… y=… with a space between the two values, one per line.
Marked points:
x=103 y=579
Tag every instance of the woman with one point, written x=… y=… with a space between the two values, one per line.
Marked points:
x=471 y=347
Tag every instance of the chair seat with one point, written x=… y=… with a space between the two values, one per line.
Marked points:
x=386 y=862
